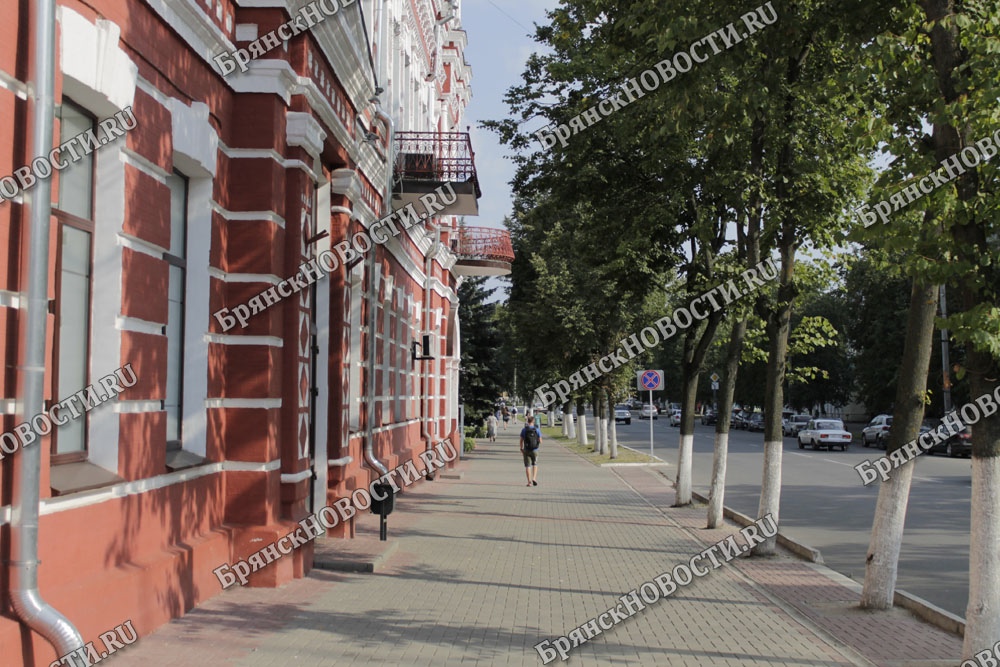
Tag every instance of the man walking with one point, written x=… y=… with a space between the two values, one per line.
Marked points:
x=531 y=440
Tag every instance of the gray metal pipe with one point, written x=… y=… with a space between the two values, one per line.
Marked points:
x=425 y=430
x=26 y=600
x=370 y=319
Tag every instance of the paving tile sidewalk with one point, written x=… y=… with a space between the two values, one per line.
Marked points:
x=486 y=567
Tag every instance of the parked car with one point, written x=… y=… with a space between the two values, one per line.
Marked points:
x=877 y=432
x=739 y=419
x=959 y=444
x=827 y=433
x=709 y=416
x=675 y=418
x=649 y=411
x=623 y=414
x=794 y=424
x=756 y=422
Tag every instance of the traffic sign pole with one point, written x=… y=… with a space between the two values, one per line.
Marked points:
x=651 y=422
x=651 y=381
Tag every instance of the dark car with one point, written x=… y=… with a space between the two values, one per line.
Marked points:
x=738 y=420
x=755 y=422
x=959 y=444
x=709 y=417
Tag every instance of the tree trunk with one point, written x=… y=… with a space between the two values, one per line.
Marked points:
x=696 y=343
x=685 y=447
x=778 y=326
x=747 y=249
x=595 y=397
x=717 y=493
x=581 y=411
x=605 y=447
x=893 y=495
x=570 y=418
x=613 y=426
x=982 y=617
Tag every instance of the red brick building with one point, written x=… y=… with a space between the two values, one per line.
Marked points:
x=225 y=185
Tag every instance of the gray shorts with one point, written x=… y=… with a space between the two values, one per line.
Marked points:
x=530 y=457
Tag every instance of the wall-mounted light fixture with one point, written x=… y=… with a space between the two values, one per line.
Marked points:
x=420 y=350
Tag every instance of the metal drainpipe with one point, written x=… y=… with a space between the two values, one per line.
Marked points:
x=26 y=600
x=425 y=431
x=370 y=361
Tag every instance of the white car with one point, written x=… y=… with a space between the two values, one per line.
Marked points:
x=649 y=411
x=827 y=433
x=794 y=424
x=675 y=418
x=622 y=414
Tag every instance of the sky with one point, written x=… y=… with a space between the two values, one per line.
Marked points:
x=498 y=47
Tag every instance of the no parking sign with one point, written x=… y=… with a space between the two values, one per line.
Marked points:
x=650 y=380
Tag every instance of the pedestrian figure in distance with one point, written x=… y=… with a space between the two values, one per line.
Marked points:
x=491 y=427
x=506 y=417
x=531 y=440
x=513 y=411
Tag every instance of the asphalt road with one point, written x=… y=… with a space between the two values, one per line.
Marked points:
x=824 y=504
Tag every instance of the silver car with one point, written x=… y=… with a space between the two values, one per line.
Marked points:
x=794 y=424
x=877 y=431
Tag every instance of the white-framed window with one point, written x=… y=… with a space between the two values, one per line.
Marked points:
x=176 y=259
x=354 y=382
x=74 y=213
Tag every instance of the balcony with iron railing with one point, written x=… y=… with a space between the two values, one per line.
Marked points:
x=482 y=251
x=426 y=161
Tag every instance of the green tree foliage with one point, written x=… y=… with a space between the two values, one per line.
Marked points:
x=480 y=373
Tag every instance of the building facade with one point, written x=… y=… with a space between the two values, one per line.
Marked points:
x=223 y=187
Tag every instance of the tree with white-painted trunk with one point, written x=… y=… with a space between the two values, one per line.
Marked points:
x=597 y=421
x=748 y=249
x=606 y=447
x=569 y=416
x=696 y=343
x=717 y=489
x=962 y=57
x=582 y=414
x=613 y=426
x=890 y=509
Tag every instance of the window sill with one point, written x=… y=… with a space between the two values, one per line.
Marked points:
x=179 y=459
x=82 y=476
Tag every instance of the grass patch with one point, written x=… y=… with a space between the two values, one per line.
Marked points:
x=625 y=455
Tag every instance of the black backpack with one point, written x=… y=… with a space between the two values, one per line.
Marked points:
x=530 y=438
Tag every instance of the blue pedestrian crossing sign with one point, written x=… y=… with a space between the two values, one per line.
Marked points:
x=650 y=380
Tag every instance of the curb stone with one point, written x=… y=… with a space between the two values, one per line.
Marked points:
x=921 y=608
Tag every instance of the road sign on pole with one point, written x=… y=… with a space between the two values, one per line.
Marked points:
x=650 y=381
x=715 y=378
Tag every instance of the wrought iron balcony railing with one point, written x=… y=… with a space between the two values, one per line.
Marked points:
x=482 y=250
x=436 y=157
